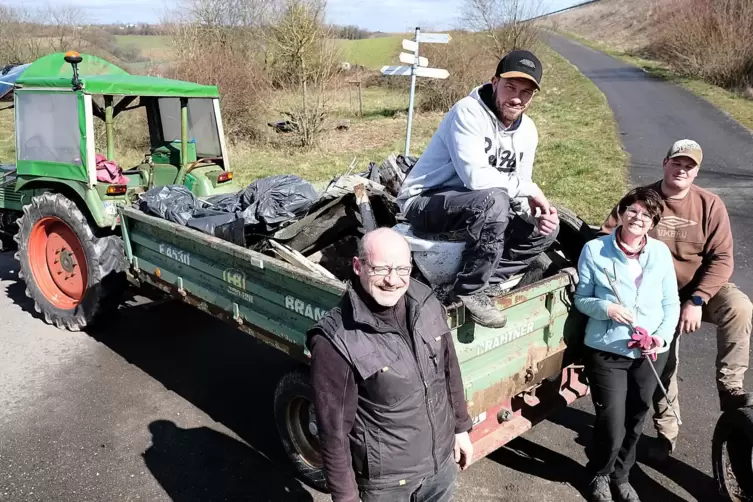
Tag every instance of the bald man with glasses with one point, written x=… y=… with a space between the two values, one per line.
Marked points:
x=391 y=413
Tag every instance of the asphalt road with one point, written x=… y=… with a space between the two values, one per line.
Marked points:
x=166 y=403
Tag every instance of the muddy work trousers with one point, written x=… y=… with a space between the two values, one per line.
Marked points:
x=499 y=244
x=731 y=311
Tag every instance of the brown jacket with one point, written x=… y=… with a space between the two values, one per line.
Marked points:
x=697 y=231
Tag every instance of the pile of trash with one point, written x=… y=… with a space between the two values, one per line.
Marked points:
x=284 y=215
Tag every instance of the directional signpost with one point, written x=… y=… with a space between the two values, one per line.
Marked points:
x=416 y=66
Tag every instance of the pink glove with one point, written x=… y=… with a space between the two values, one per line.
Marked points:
x=643 y=341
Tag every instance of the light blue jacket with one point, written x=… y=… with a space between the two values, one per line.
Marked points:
x=655 y=304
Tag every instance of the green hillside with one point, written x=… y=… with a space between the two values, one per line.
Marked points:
x=372 y=53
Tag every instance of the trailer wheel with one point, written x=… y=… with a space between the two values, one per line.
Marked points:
x=296 y=424
x=732 y=454
x=574 y=233
x=71 y=275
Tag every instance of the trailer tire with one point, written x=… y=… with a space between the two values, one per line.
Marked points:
x=54 y=240
x=733 y=472
x=574 y=233
x=296 y=424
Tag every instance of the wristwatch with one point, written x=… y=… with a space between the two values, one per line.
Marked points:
x=697 y=300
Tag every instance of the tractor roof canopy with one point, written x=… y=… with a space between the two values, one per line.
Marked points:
x=98 y=76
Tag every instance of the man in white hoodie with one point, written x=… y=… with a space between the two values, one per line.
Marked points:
x=475 y=177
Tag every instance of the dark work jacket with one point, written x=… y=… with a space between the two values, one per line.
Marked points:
x=405 y=422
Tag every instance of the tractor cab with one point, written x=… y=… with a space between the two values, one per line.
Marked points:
x=66 y=106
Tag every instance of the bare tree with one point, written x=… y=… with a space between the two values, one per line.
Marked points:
x=504 y=22
x=16 y=43
x=306 y=59
x=26 y=33
x=65 y=26
x=234 y=25
x=221 y=42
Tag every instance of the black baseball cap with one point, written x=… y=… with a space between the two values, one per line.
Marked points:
x=521 y=64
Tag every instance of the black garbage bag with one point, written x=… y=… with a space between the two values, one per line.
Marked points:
x=227 y=202
x=227 y=226
x=406 y=163
x=174 y=203
x=276 y=199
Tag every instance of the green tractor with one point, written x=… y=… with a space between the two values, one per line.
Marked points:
x=55 y=203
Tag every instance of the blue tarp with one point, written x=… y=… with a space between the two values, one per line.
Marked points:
x=8 y=77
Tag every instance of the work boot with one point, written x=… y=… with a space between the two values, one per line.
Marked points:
x=733 y=399
x=536 y=270
x=626 y=493
x=598 y=489
x=483 y=311
x=661 y=449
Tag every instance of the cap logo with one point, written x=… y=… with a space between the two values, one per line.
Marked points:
x=685 y=145
x=528 y=63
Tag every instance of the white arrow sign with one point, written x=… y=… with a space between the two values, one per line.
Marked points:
x=432 y=72
x=400 y=71
x=396 y=70
x=418 y=68
x=434 y=38
x=410 y=45
x=411 y=58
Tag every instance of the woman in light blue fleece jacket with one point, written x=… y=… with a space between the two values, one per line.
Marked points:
x=622 y=383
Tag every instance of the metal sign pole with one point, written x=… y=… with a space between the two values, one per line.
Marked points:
x=412 y=95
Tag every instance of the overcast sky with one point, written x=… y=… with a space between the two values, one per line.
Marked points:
x=376 y=15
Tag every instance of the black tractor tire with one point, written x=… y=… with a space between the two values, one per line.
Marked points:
x=104 y=257
x=294 y=409
x=732 y=454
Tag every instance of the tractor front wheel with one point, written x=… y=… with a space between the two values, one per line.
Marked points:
x=71 y=275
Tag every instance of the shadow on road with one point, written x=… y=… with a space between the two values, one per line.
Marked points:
x=225 y=373
x=203 y=464
x=15 y=290
x=523 y=455
x=698 y=484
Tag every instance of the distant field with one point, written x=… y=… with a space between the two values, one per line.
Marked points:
x=154 y=47
x=144 y=41
x=372 y=53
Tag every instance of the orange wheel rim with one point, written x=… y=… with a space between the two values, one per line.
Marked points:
x=58 y=262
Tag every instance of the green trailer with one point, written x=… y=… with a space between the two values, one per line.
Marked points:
x=53 y=202
x=514 y=377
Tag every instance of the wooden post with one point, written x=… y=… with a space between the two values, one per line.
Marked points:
x=360 y=100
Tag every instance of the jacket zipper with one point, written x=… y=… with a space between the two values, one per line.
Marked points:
x=426 y=387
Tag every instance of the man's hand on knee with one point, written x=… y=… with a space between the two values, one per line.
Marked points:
x=690 y=318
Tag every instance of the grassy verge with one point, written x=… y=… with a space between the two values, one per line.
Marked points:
x=578 y=144
x=736 y=106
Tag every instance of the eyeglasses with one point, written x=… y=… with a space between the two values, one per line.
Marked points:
x=384 y=270
x=634 y=213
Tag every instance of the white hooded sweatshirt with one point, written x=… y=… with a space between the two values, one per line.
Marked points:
x=472 y=149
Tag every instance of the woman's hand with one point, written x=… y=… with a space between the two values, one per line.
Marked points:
x=656 y=344
x=618 y=313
